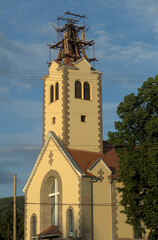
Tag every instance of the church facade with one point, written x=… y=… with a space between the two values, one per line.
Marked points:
x=71 y=191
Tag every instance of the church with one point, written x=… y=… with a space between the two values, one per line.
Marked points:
x=71 y=192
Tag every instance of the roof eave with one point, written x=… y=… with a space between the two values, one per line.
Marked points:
x=73 y=163
x=66 y=66
x=67 y=155
x=97 y=72
x=96 y=162
x=45 y=76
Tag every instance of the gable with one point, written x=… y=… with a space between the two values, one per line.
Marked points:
x=54 y=65
x=84 y=66
x=100 y=167
x=87 y=160
x=53 y=148
x=99 y=162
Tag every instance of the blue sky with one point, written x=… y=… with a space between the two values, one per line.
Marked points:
x=126 y=36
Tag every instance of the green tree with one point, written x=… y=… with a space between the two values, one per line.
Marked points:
x=6 y=225
x=136 y=142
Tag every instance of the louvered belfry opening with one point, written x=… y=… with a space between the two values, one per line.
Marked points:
x=72 y=42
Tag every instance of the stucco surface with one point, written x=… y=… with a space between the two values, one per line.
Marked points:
x=70 y=193
x=102 y=203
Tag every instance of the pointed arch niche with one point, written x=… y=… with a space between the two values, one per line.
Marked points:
x=57 y=91
x=70 y=222
x=33 y=225
x=51 y=199
x=78 y=89
x=54 y=92
x=87 y=91
x=51 y=93
x=83 y=90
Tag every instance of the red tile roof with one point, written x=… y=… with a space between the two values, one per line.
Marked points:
x=51 y=231
x=56 y=62
x=67 y=61
x=85 y=159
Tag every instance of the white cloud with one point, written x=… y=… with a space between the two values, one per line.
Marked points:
x=27 y=105
x=4 y=90
x=26 y=138
x=148 y=7
x=110 y=106
x=20 y=84
x=45 y=29
x=25 y=108
x=145 y=11
x=133 y=51
x=15 y=53
x=16 y=148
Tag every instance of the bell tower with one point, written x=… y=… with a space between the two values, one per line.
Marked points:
x=72 y=95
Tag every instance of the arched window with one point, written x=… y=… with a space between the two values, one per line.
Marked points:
x=33 y=225
x=54 y=203
x=78 y=89
x=52 y=93
x=86 y=91
x=70 y=215
x=51 y=191
x=57 y=91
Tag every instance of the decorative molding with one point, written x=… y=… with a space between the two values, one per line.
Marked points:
x=44 y=106
x=100 y=127
x=50 y=158
x=114 y=211
x=65 y=107
x=96 y=162
x=25 y=218
x=61 y=147
x=100 y=174
x=85 y=208
x=79 y=212
x=36 y=165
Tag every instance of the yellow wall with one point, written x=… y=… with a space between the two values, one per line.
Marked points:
x=53 y=109
x=81 y=135
x=70 y=195
x=84 y=136
x=102 y=204
x=124 y=230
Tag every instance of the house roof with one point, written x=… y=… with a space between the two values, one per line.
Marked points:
x=80 y=160
x=52 y=231
x=86 y=159
x=67 y=61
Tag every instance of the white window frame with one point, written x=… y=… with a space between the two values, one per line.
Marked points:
x=56 y=194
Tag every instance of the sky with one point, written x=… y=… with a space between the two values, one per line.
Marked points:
x=125 y=34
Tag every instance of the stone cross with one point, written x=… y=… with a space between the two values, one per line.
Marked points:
x=100 y=174
x=50 y=158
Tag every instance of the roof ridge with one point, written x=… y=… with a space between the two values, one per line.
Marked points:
x=85 y=151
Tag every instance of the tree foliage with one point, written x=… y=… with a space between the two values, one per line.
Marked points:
x=6 y=225
x=136 y=142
